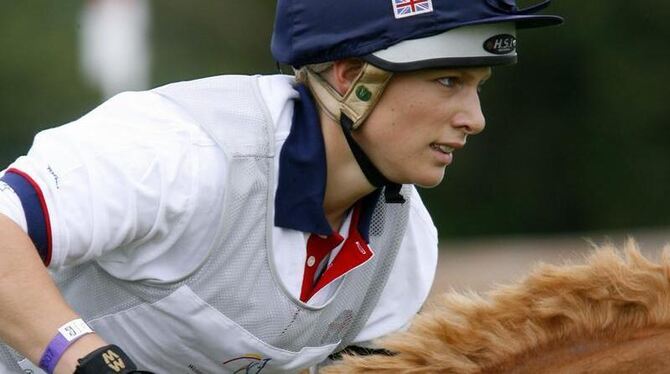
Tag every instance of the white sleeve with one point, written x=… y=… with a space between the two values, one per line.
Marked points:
x=122 y=174
x=410 y=280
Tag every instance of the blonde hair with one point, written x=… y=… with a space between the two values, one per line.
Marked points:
x=301 y=72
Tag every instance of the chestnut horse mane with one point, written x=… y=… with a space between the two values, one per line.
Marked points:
x=612 y=295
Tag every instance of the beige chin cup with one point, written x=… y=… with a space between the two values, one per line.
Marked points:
x=358 y=102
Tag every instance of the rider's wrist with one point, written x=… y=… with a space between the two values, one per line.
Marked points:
x=66 y=336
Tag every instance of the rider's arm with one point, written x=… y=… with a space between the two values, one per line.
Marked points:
x=31 y=307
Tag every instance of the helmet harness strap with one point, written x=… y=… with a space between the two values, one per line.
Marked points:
x=350 y=110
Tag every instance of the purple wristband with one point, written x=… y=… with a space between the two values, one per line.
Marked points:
x=67 y=334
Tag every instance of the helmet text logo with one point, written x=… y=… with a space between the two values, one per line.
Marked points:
x=500 y=44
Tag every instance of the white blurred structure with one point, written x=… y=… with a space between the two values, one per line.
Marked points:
x=114 y=46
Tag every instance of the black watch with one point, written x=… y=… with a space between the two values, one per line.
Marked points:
x=107 y=360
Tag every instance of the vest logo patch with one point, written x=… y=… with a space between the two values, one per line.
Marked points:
x=251 y=363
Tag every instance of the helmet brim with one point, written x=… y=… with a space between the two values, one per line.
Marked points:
x=458 y=47
x=436 y=63
x=528 y=21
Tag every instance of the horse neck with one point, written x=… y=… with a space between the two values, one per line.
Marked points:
x=645 y=351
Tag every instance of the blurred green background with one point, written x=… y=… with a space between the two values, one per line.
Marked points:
x=577 y=136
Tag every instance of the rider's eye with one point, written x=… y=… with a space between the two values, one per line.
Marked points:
x=448 y=81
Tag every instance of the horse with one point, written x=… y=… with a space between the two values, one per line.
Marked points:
x=607 y=314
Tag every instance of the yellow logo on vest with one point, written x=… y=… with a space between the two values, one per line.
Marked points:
x=113 y=361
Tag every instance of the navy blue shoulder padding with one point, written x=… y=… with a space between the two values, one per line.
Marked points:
x=35 y=210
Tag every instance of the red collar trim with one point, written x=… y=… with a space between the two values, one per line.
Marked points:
x=354 y=253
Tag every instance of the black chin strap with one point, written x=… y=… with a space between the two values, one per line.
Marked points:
x=372 y=174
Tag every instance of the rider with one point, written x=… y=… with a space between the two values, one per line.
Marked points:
x=260 y=223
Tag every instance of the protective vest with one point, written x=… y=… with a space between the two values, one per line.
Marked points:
x=232 y=314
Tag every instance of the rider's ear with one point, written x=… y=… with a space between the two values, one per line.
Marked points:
x=344 y=72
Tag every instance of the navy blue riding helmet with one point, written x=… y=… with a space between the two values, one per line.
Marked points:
x=315 y=31
x=393 y=36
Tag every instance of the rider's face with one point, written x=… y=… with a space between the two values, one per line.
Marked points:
x=420 y=120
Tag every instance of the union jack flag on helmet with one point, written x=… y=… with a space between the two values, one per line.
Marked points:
x=408 y=8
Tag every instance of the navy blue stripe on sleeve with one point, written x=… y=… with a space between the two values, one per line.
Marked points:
x=35 y=210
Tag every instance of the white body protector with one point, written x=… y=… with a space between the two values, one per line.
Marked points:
x=233 y=313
